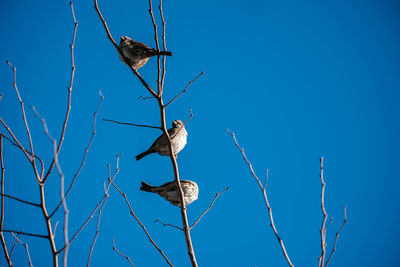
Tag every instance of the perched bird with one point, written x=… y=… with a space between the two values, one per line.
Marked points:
x=178 y=137
x=136 y=53
x=169 y=191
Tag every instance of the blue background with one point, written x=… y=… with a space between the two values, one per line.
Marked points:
x=294 y=80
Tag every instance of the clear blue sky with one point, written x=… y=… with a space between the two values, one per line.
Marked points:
x=294 y=80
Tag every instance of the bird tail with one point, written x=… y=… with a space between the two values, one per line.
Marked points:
x=141 y=155
x=165 y=53
x=146 y=187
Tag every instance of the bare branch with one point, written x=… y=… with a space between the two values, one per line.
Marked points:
x=3 y=241
x=184 y=90
x=16 y=140
x=337 y=236
x=132 y=124
x=167 y=224
x=21 y=200
x=324 y=217
x=126 y=257
x=158 y=48
x=96 y=234
x=95 y=209
x=23 y=113
x=25 y=233
x=152 y=92
x=71 y=82
x=12 y=248
x=28 y=152
x=212 y=203
x=264 y=192
x=146 y=97
x=26 y=248
x=106 y=194
x=164 y=45
x=140 y=223
x=85 y=154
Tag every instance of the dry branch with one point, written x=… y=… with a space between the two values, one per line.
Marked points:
x=211 y=205
x=126 y=257
x=25 y=245
x=71 y=82
x=158 y=96
x=132 y=124
x=264 y=192
x=337 y=236
x=3 y=241
x=140 y=223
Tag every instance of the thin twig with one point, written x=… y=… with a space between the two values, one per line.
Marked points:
x=324 y=217
x=132 y=124
x=16 y=140
x=27 y=151
x=85 y=153
x=21 y=200
x=164 y=70
x=26 y=248
x=106 y=194
x=337 y=236
x=140 y=223
x=3 y=241
x=158 y=48
x=12 y=248
x=146 y=97
x=264 y=191
x=71 y=82
x=25 y=233
x=95 y=209
x=32 y=159
x=184 y=90
x=126 y=257
x=167 y=224
x=212 y=203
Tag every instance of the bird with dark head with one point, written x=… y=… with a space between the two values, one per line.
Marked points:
x=136 y=53
x=169 y=191
x=178 y=137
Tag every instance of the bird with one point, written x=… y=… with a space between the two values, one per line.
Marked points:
x=136 y=53
x=178 y=137
x=170 y=193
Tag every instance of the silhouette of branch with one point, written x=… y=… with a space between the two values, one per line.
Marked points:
x=184 y=90
x=337 y=236
x=167 y=224
x=140 y=223
x=20 y=200
x=126 y=257
x=85 y=154
x=132 y=124
x=25 y=245
x=25 y=233
x=3 y=241
x=211 y=205
x=71 y=82
x=264 y=192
